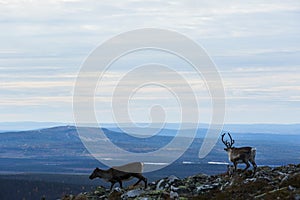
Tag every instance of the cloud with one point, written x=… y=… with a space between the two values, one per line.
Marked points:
x=36 y=84
x=254 y=44
x=36 y=101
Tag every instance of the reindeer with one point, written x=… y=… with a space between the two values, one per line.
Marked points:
x=120 y=173
x=240 y=155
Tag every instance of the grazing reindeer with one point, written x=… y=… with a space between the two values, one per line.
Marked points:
x=240 y=155
x=120 y=173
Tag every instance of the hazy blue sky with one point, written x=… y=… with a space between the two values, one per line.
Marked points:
x=254 y=44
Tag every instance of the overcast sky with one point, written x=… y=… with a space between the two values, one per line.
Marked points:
x=254 y=45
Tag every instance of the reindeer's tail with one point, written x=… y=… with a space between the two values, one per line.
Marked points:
x=253 y=153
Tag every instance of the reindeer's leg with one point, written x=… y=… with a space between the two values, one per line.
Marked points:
x=137 y=182
x=230 y=170
x=145 y=181
x=119 y=180
x=254 y=165
x=235 y=165
x=112 y=185
x=141 y=178
x=120 y=183
x=247 y=165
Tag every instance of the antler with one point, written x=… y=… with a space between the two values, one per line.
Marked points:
x=231 y=140
x=225 y=142
x=228 y=144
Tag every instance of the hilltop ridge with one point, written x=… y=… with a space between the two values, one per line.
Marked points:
x=268 y=183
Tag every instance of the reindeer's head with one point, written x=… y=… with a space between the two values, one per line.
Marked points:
x=228 y=144
x=95 y=173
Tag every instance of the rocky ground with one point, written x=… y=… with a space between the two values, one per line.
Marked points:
x=268 y=183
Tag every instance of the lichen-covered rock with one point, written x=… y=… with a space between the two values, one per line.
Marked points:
x=132 y=193
x=161 y=184
x=115 y=194
x=171 y=179
x=100 y=191
x=174 y=195
x=81 y=197
x=183 y=189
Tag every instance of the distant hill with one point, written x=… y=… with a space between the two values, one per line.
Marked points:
x=264 y=128
x=235 y=128
x=60 y=150
x=27 y=125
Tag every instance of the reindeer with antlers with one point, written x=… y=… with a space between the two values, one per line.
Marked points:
x=240 y=155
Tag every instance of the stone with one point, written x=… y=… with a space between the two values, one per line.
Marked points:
x=183 y=189
x=174 y=195
x=159 y=185
x=115 y=194
x=249 y=180
x=132 y=193
x=297 y=197
x=204 y=187
x=174 y=189
x=291 y=188
x=172 y=179
x=80 y=197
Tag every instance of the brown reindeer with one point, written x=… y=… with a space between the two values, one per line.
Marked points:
x=240 y=155
x=121 y=173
